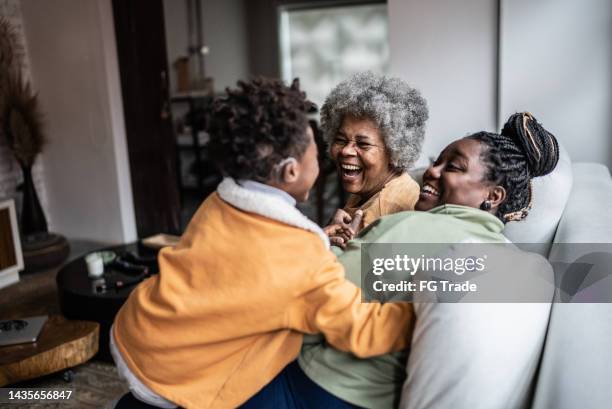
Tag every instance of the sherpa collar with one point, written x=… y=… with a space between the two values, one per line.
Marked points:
x=268 y=206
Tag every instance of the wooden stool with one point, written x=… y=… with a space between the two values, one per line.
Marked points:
x=62 y=344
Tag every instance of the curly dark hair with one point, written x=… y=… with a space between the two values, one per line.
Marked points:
x=523 y=150
x=256 y=126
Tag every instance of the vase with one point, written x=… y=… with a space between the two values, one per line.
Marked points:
x=33 y=219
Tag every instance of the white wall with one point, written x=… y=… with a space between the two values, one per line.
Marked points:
x=74 y=66
x=177 y=40
x=225 y=35
x=224 y=32
x=10 y=171
x=556 y=62
x=448 y=50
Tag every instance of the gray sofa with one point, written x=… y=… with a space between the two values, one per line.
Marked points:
x=576 y=365
x=466 y=356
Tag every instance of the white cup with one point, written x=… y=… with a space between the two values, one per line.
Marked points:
x=95 y=265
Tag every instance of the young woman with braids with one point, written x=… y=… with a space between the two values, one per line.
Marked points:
x=505 y=163
x=477 y=184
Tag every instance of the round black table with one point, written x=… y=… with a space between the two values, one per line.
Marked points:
x=84 y=298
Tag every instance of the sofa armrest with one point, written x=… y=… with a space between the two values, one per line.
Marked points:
x=575 y=369
x=587 y=217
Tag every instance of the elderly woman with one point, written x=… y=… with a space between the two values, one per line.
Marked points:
x=477 y=184
x=375 y=127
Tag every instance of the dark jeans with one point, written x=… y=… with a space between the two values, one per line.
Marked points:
x=292 y=389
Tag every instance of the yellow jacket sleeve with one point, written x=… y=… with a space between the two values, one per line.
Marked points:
x=331 y=305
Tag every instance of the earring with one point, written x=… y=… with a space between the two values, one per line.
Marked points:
x=486 y=205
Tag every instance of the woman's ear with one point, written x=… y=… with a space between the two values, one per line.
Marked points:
x=497 y=195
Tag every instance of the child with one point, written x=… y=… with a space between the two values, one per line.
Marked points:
x=251 y=274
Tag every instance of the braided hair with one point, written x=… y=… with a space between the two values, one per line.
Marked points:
x=522 y=151
x=256 y=126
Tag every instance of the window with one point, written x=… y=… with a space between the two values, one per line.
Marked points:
x=325 y=45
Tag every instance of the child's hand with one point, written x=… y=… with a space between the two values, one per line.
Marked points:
x=343 y=227
x=338 y=234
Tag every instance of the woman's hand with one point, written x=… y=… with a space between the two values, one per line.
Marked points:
x=342 y=217
x=343 y=227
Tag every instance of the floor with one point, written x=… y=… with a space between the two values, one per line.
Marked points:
x=94 y=385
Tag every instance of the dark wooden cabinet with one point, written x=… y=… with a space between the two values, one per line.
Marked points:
x=141 y=49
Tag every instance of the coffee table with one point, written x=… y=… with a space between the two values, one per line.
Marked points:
x=62 y=344
x=80 y=300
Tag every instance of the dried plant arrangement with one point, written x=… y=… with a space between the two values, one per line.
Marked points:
x=9 y=55
x=4 y=80
x=22 y=120
x=10 y=58
x=21 y=125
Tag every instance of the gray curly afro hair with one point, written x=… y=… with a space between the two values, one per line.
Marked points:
x=399 y=111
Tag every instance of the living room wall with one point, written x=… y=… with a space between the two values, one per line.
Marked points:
x=476 y=66
x=10 y=172
x=448 y=50
x=556 y=60
x=224 y=33
x=74 y=67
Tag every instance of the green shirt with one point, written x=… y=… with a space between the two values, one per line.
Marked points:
x=377 y=382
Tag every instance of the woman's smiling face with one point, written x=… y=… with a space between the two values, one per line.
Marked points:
x=361 y=156
x=457 y=177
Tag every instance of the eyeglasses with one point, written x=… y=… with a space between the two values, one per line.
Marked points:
x=340 y=142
